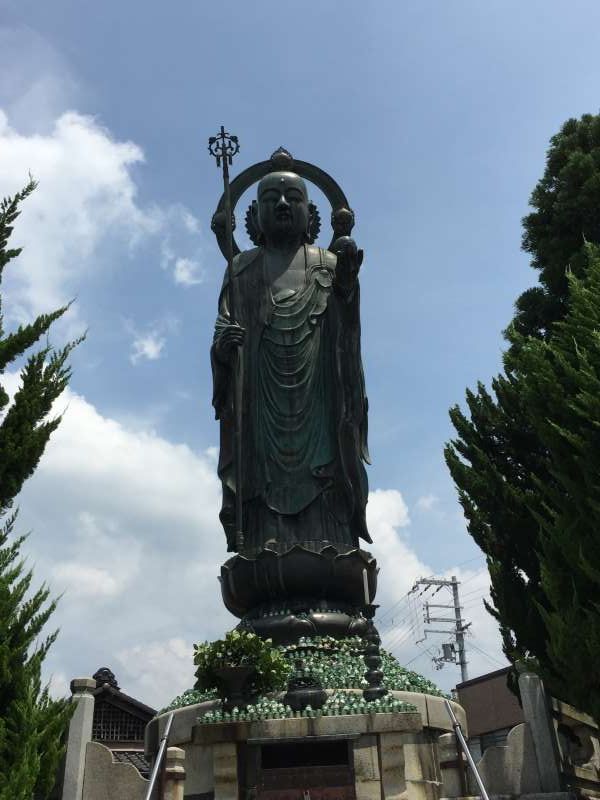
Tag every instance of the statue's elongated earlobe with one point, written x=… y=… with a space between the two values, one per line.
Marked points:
x=314 y=223
x=252 y=227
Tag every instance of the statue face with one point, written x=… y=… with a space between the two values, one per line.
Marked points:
x=283 y=212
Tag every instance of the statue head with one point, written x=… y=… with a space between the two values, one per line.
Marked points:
x=282 y=212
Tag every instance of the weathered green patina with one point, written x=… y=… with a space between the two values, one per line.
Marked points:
x=304 y=408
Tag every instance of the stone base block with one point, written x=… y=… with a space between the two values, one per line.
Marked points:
x=352 y=757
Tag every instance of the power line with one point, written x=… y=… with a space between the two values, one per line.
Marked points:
x=404 y=636
x=396 y=616
x=469 y=561
x=424 y=652
x=401 y=638
x=475 y=602
x=475 y=575
x=491 y=659
x=394 y=608
x=472 y=591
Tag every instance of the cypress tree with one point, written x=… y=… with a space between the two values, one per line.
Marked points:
x=498 y=459
x=559 y=380
x=32 y=724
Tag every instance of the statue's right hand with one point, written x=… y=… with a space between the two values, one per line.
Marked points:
x=230 y=338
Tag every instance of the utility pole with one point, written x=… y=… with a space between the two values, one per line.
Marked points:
x=460 y=632
x=459 y=627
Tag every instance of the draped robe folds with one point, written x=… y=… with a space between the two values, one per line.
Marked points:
x=304 y=409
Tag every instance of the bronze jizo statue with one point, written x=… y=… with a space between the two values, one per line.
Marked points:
x=302 y=411
x=304 y=406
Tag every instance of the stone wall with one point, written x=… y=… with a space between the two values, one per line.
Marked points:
x=89 y=770
x=106 y=780
x=555 y=753
x=510 y=769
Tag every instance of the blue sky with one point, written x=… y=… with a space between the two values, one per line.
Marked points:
x=433 y=116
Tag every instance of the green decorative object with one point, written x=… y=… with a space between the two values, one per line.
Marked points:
x=267 y=669
x=340 y=667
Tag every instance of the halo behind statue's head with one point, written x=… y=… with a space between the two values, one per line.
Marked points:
x=342 y=217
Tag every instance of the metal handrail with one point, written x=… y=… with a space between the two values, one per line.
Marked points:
x=160 y=755
x=463 y=744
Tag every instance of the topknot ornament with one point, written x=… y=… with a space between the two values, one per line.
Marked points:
x=282 y=160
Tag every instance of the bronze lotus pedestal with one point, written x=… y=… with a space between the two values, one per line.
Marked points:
x=299 y=592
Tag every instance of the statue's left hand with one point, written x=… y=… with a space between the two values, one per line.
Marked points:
x=349 y=259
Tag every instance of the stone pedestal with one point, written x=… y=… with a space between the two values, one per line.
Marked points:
x=364 y=756
x=174 y=774
x=537 y=713
x=80 y=733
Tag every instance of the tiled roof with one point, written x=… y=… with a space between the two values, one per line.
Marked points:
x=108 y=691
x=135 y=758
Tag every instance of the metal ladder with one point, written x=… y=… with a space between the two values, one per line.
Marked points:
x=160 y=756
x=463 y=744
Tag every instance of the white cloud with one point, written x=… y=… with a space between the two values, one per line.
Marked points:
x=402 y=627
x=167 y=256
x=86 y=194
x=135 y=545
x=399 y=564
x=427 y=502
x=59 y=684
x=187 y=272
x=84 y=211
x=36 y=83
x=191 y=223
x=83 y=579
x=147 y=346
x=107 y=559
x=156 y=665
x=387 y=511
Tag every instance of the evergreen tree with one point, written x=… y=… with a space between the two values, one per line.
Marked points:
x=32 y=724
x=560 y=383
x=565 y=203
x=498 y=460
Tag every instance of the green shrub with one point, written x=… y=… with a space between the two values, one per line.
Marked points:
x=241 y=648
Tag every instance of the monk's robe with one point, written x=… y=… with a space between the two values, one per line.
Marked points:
x=304 y=434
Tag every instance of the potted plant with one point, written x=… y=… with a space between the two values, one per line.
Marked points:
x=240 y=667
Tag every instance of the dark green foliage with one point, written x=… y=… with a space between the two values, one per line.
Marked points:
x=498 y=460
x=565 y=215
x=560 y=385
x=240 y=648
x=491 y=462
x=32 y=725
